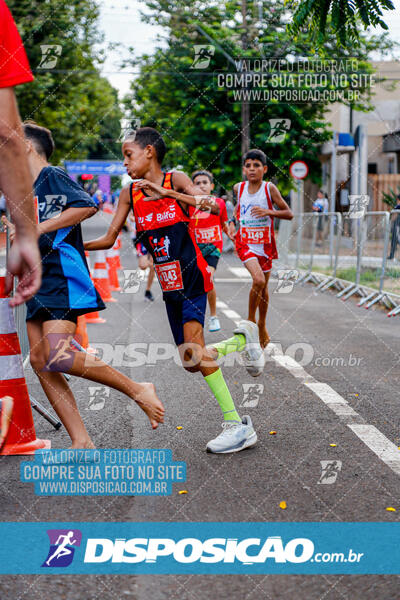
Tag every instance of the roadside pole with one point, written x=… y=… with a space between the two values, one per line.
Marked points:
x=332 y=198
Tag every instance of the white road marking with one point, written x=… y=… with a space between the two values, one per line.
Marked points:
x=232 y=280
x=379 y=444
x=369 y=434
x=326 y=393
x=240 y=272
x=231 y=314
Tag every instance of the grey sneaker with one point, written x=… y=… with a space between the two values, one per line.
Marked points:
x=234 y=437
x=253 y=354
x=214 y=324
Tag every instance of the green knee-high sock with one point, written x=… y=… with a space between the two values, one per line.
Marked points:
x=233 y=344
x=217 y=385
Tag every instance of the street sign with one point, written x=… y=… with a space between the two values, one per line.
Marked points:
x=298 y=169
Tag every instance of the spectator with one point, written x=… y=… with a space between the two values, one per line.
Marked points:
x=321 y=205
x=228 y=244
x=3 y=205
x=395 y=231
x=98 y=198
x=15 y=178
x=115 y=197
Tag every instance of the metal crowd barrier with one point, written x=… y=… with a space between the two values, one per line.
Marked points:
x=365 y=244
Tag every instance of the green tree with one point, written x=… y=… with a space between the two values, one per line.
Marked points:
x=343 y=17
x=71 y=98
x=201 y=123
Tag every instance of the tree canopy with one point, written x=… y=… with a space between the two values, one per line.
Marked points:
x=71 y=97
x=200 y=121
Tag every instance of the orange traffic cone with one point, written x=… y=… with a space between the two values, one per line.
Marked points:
x=87 y=255
x=92 y=317
x=112 y=270
x=100 y=277
x=117 y=246
x=107 y=208
x=81 y=334
x=21 y=437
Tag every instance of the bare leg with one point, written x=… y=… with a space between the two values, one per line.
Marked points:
x=198 y=358
x=150 y=277
x=256 y=291
x=59 y=357
x=7 y=404
x=56 y=389
x=212 y=295
x=262 y=314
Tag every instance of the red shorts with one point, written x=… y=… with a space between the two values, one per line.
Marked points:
x=245 y=254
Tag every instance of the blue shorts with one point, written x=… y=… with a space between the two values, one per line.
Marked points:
x=179 y=313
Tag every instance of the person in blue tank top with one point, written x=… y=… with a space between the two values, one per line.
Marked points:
x=66 y=293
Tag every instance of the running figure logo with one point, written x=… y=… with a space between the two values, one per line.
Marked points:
x=330 y=471
x=52 y=207
x=97 y=397
x=278 y=130
x=61 y=354
x=50 y=54
x=160 y=247
x=133 y=280
x=202 y=56
x=62 y=547
x=286 y=280
x=358 y=206
x=251 y=394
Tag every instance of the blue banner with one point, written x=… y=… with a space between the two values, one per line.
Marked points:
x=95 y=167
x=200 y=548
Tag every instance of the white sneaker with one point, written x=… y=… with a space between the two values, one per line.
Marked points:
x=234 y=437
x=214 y=324
x=253 y=353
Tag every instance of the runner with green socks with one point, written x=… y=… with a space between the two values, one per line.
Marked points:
x=160 y=204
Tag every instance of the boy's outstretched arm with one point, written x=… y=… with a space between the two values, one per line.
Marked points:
x=108 y=239
x=283 y=211
x=185 y=191
x=68 y=218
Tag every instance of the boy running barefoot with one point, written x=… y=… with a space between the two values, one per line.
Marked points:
x=67 y=292
x=160 y=204
x=255 y=239
x=207 y=229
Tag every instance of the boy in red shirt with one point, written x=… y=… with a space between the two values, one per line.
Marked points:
x=160 y=202
x=207 y=229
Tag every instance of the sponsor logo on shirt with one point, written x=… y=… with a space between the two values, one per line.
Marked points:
x=167 y=215
x=160 y=247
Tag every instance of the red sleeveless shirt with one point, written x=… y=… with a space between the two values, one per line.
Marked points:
x=163 y=228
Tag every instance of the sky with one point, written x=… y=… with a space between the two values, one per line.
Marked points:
x=120 y=21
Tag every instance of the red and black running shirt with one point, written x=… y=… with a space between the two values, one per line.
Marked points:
x=163 y=228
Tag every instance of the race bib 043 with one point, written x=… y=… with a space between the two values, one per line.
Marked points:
x=170 y=276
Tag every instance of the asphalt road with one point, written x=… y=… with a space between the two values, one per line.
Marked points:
x=317 y=339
